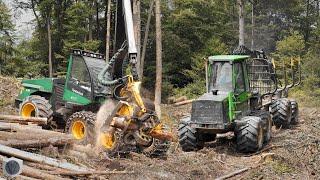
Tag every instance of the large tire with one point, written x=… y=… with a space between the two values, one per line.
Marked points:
x=281 y=113
x=250 y=136
x=266 y=123
x=188 y=138
x=295 y=112
x=81 y=126
x=36 y=106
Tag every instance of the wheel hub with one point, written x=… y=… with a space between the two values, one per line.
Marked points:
x=28 y=110
x=107 y=140
x=78 y=129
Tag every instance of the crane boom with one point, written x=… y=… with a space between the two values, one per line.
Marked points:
x=132 y=48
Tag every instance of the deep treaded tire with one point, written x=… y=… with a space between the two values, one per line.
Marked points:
x=250 y=136
x=188 y=138
x=266 y=123
x=81 y=126
x=38 y=107
x=295 y=112
x=281 y=113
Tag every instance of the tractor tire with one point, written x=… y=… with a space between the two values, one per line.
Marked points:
x=250 y=137
x=267 y=123
x=81 y=126
x=37 y=106
x=295 y=112
x=188 y=138
x=281 y=113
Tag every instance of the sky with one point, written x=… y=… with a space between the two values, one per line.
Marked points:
x=23 y=21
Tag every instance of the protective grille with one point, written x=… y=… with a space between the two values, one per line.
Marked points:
x=208 y=112
x=261 y=76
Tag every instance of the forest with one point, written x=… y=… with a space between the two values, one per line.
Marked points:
x=191 y=31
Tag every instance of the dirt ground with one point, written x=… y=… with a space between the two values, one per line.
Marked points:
x=292 y=153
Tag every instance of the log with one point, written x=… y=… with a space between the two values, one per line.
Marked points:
x=234 y=173
x=38 y=143
x=39 y=158
x=20 y=119
x=87 y=173
x=13 y=127
x=183 y=102
x=36 y=173
x=29 y=128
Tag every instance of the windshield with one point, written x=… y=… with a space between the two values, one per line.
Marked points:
x=220 y=76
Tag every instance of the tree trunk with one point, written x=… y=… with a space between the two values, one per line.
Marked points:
x=252 y=25
x=137 y=29
x=145 y=40
x=90 y=21
x=49 y=47
x=97 y=20
x=115 y=27
x=241 y=22
x=157 y=99
x=108 y=18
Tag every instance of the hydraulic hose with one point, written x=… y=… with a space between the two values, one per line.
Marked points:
x=106 y=75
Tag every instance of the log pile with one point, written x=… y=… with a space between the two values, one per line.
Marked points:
x=22 y=137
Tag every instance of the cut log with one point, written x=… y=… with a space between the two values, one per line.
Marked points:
x=20 y=119
x=39 y=143
x=87 y=173
x=183 y=102
x=28 y=128
x=39 y=158
x=13 y=127
x=36 y=173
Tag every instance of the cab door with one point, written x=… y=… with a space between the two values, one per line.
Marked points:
x=78 y=87
x=241 y=89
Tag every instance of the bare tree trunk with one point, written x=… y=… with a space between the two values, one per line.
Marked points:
x=157 y=99
x=137 y=29
x=97 y=19
x=90 y=24
x=252 y=25
x=49 y=47
x=241 y=22
x=108 y=18
x=115 y=27
x=145 y=40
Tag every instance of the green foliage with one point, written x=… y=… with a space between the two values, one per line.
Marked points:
x=6 y=37
x=24 y=62
x=291 y=46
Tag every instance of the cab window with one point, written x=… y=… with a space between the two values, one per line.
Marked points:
x=239 y=78
x=79 y=73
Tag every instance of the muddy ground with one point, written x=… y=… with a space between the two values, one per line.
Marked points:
x=291 y=154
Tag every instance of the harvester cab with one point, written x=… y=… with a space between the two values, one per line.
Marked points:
x=240 y=98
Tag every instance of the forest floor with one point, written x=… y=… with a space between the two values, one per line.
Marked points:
x=292 y=153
